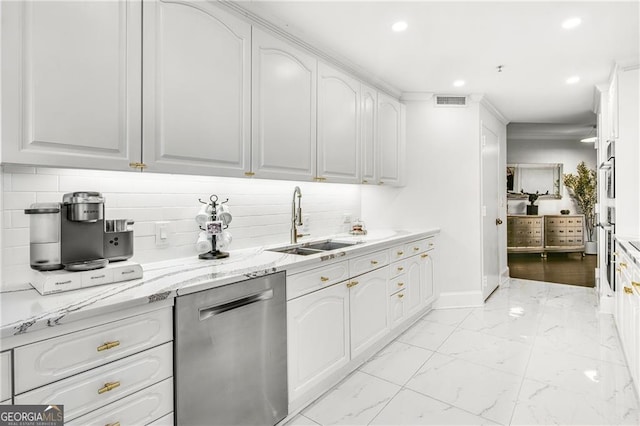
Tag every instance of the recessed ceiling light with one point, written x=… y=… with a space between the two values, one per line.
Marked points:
x=399 y=26
x=571 y=23
x=573 y=80
x=458 y=83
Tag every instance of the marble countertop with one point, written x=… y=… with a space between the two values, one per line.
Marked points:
x=27 y=311
x=629 y=249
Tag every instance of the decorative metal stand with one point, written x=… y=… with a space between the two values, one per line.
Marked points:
x=214 y=253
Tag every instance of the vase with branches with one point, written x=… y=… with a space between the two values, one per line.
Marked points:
x=582 y=188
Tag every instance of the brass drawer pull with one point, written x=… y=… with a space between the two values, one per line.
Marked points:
x=430 y=244
x=416 y=248
x=352 y=283
x=623 y=265
x=374 y=262
x=400 y=295
x=628 y=290
x=139 y=166
x=249 y=174
x=400 y=269
x=324 y=279
x=635 y=283
x=400 y=284
x=113 y=424
x=108 y=386
x=400 y=253
x=424 y=256
x=108 y=345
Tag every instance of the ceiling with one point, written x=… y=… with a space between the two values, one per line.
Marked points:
x=467 y=40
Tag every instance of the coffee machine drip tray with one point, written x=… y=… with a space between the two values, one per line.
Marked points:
x=87 y=265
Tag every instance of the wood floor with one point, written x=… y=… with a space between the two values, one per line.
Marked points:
x=564 y=268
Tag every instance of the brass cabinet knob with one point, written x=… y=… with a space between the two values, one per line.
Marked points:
x=400 y=284
x=324 y=279
x=374 y=262
x=108 y=345
x=400 y=295
x=628 y=290
x=623 y=265
x=416 y=248
x=400 y=269
x=113 y=424
x=424 y=256
x=352 y=284
x=635 y=283
x=400 y=253
x=108 y=386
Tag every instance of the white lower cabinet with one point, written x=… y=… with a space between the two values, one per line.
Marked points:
x=5 y=377
x=368 y=309
x=318 y=337
x=397 y=308
x=95 y=388
x=117 y=372
x=141 y=408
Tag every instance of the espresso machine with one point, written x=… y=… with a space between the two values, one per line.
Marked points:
x=68 y=235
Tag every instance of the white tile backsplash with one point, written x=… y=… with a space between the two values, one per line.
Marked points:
x=261 y=209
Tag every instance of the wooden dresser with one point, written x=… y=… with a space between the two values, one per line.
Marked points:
x=525 y=234
x=544 y=234
x=564 y=233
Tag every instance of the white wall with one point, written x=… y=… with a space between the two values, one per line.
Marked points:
x=442 y=189
x=261 y=209
x=569 y=153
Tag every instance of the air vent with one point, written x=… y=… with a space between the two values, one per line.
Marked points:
x=451 y=101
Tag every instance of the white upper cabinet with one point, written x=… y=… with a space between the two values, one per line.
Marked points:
x=283 y=110
x=197 y=89
x=368 y=109
x=71 y=83
x=390 y=140
x=338 y=126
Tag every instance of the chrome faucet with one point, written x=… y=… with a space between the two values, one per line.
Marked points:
x=296 y=215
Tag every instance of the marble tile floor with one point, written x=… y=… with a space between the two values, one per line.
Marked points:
x=536 y=354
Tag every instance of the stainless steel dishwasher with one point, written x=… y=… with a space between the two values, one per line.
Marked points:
x=231 y=354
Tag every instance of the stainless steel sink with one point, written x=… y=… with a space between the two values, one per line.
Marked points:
x=305 y=249
x=328 y=245
x=296 y=250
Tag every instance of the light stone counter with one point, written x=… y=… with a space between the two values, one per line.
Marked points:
x=27 y=311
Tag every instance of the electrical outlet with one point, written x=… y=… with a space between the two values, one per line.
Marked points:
x=162 y=234
x=346 y=218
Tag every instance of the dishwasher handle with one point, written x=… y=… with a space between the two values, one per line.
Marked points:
x=221 y=308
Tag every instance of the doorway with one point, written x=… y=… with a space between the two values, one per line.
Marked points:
x=550 y=247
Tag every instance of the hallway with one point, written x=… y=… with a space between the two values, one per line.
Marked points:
x=536 y=353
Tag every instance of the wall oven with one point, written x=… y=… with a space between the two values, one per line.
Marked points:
x=609 y=229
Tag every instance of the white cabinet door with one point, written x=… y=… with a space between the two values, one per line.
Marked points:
x=427 y=286
x=415 y=278
x=390 y=140
x=318 y=337
x=197 y=89
x=71 y=83
x=368 y=309
x=283 y=110
x=368 y=119
x=5 y=376
x=397 y=308
x=338 y=148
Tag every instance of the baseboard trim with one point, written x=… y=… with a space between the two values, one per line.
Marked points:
x=459 y=299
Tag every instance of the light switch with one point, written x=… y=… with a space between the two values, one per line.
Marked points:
x=162 y=234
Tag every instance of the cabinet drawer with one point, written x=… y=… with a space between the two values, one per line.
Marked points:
x=361 y=265
x=5 y=375
x=97 y=277
x=397 y=284
x=397 y=253
x=54 y=359
x=420 y=246
x=141 y=408
x=315 y=279
x=94 y=389
x=397 y=268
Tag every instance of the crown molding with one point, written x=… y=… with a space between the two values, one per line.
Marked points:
x=416 y=96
